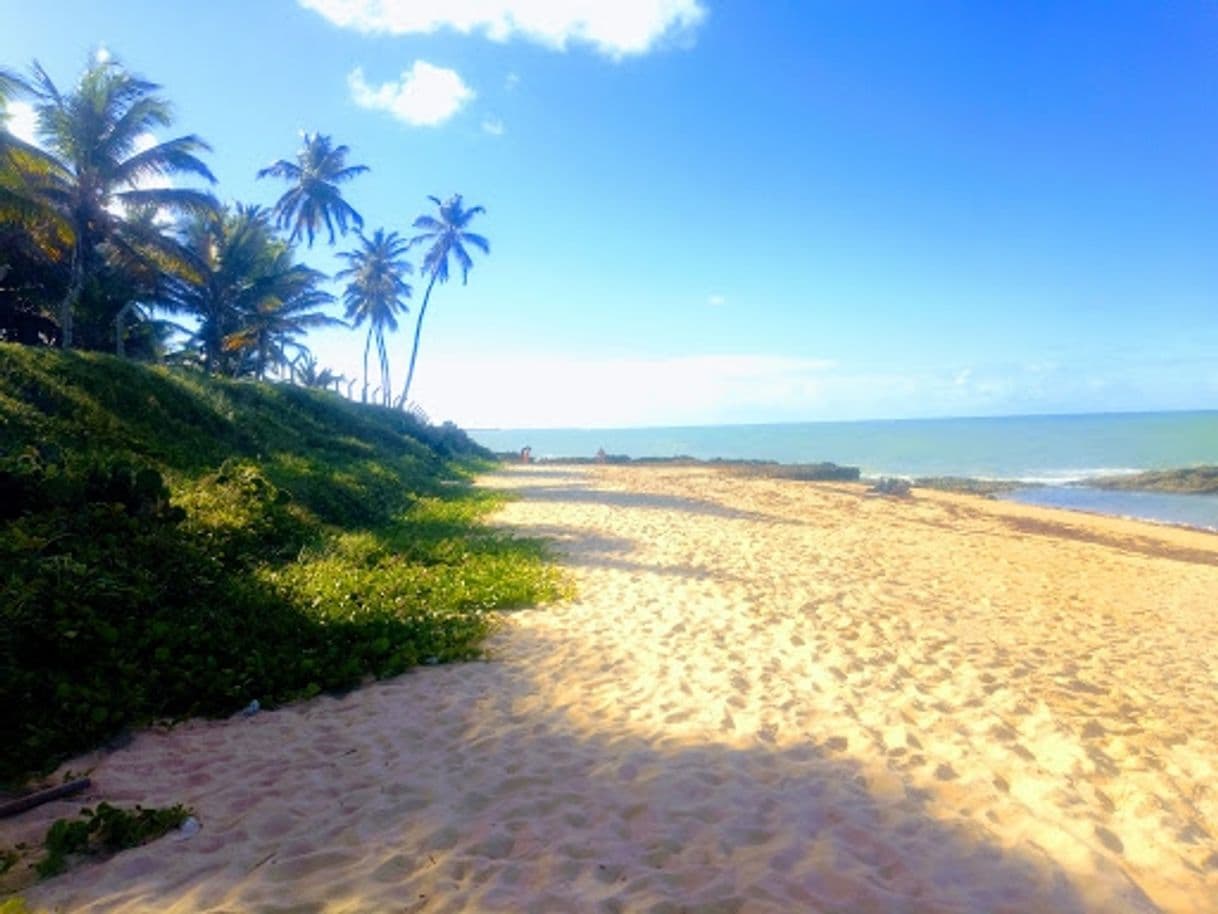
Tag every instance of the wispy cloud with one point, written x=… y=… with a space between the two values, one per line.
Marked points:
x=615 y=29
x=493 y=126
x=716 y=300
x=423 y=96
x=22 y=121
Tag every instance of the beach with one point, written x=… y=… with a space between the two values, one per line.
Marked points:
x=767 y=696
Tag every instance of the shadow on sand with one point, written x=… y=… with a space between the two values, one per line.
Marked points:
x=488 y=796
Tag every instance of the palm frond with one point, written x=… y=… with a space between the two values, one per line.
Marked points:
x=347 y=174
x=280 y=169
x=477 y=241
x=176 y=156
x=177 y=199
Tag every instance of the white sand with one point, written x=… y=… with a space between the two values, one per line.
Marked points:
x=769 y=696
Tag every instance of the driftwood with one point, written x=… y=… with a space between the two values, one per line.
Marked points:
x=38 y=797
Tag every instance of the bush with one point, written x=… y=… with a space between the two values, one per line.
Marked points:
x=107 y=829
x=291 y=543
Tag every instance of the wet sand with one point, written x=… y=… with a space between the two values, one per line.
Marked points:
x=768 y=696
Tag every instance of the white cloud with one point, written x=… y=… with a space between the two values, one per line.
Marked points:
x=616 y=28
x=716 y=300
x=511 y=82
x=22 y=121
x=424 y=96
x=493 y=126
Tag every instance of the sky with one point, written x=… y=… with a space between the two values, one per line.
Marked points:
x=721 y=211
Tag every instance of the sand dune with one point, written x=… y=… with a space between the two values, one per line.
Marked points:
x=769 y=696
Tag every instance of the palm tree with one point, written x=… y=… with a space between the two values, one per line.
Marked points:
x=307 y=373
x=314 y=198
x=229 y=253
x=98 y=164
x=376 y=292
x=250 y=298
x=35 y=239
x=447 y=236
x=285 y=304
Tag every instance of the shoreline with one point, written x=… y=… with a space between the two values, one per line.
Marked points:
x=1049 y=449
x=767 y=696
x=1195 y=479
x=1174 y=483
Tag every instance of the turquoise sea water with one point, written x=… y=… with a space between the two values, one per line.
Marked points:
x=1052 y=450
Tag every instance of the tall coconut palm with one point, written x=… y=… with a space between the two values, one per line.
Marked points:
x=446 y=236
x=376 y=293
x=314 y=199
x=100 y=162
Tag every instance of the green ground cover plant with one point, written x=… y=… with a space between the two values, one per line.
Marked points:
x=174 y=545
x=105 y=830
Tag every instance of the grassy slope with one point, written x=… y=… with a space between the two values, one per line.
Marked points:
x=172 y=545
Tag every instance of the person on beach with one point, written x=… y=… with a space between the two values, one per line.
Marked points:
x=526 y=454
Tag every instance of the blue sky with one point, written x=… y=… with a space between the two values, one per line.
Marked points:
x=723 y=211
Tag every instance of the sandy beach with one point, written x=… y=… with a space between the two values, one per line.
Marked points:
x=769 y=696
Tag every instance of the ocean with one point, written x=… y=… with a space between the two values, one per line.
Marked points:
x=1050 y=451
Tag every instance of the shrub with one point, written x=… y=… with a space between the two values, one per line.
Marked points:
x=280 y=543
x=107 y=829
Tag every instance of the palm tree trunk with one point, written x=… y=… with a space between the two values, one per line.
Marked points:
x=67 y=308
x=386 y=383
x=367 y=345
x=119 y=336
x=414 y=352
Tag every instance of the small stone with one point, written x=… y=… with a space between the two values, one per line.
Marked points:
x=189 y=828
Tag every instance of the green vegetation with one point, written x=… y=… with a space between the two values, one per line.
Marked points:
x=1189 y=481
x=105 y=830
x=173 y=544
